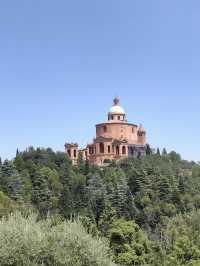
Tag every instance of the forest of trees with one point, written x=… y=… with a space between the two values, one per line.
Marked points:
x=139 y=211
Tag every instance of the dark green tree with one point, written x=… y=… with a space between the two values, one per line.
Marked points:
x=97 y=196
x=164 y=152
x=129 y=244
x=148 y=150
x=158 y=151
x=41 y=194
x=11 y=182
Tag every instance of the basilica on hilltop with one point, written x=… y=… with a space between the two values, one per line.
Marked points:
x=115 y=139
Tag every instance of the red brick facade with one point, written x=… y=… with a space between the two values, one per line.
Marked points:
x=115 y=139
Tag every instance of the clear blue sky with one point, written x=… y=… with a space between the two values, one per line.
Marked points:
x=62 y=62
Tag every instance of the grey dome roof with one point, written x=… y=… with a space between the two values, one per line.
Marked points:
x=116 y=108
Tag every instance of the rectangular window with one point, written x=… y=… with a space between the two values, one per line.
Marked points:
x=109 y=149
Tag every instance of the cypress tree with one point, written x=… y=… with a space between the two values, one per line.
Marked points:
x=15 y=186
x=7 y=171
x=11 y=182
x=158 y=152
x=148 y=150
x=96 y=196
x=41 y=193
x=66 y=198
x=120 y=196
x=164 y=152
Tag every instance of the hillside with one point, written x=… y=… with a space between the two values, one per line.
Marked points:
x=143 y=211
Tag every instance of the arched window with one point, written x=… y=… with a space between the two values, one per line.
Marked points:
x=69 y=153
x=109 y=149
x=119 y=117
x=132 y=129
x=101 y=147
x=74 y=153
x=91 y=150
x=112 y=117
x=105 y=129
x=123 y=150
x=117 y=150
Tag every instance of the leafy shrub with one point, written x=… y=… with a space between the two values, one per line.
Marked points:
x=6 y=205
x=28 y=242
x=130 y=244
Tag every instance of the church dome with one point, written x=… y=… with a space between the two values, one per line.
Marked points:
x=116 y=108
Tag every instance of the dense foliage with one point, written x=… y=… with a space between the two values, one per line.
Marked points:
x=146 y=208
x=26 y=241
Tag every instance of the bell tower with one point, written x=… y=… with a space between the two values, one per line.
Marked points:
x=141 y=133
x=72 y=151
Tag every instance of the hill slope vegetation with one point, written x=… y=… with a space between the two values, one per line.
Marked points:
x=141 y=211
